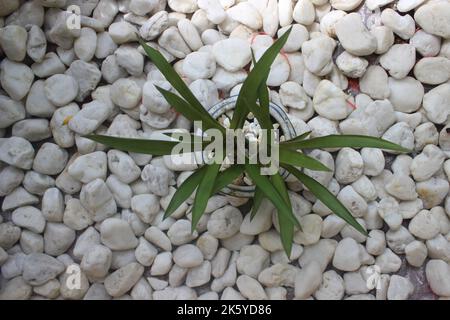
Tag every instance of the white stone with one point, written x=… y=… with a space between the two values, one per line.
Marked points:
x=173 y=42
x=432 y=70
x=13 y=40
x=432 y=16
x=30 y=218
x=400 y=288
x=388 y=261
x=157 y=178
x=129 y=58
x=384 y=37
x=424 y=225
x=435 y=103
x=39 y=268
x=330 y=101
x=183 y=6
x=375 y=82
x=252 y=260
x=250 y=288
x=317 y=54
x=298 y=35
x=57 y=238
x=426 y=44
x=246 y=14
x=402 y=187
x=190 y=34
x=126 y=93
x=354 y=36
x=350 y=65
x=438 y=277
x=406 y=102
x=232 y=54
x=199 y=65
x=399 y=60
x=304 y=12
x=155 y=25
x=427 y=163
x=89 y=167
x=332 y=287
x=308 y=280
x=162 y=264
x=403 y=26
x=98 y=200
x=50 y=159
x=347 y=255
x=224 y=222
x=87 y=75
x=90 y=117
x=15 y=78
x=416 y=253
x=122 y=280
x=123 y=166
x=181 y=232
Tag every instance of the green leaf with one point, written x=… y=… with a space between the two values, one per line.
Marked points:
x=341 y=141
x=286 y=227
x=258 y=112
x=264 y=100
x=146 y=146
x=324 y=195
x=189 y=111
x=270 y=192
x=227 y=177
x=185 y=191
x=254 y=79
x=204 y=191
x=299 y=159
x=298 y=138
x=171 y=75
x=257 y=200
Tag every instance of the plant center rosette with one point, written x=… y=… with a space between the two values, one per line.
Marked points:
x=252 y=132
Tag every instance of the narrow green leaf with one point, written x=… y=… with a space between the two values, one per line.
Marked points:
x=258 y=112
x=263 y=182
x=185 y=190
x=341 y=141
x=286 y=227
x=299 y=159
x=264 y=100
x=204 y=191
x=254 y=79
x=227 y=177
x=257 y=200
x=324 y=195
x=189 y=111
x=171 y=75
x=146 y=146
x=298 y=138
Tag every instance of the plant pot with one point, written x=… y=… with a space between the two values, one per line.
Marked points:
x=280 y=117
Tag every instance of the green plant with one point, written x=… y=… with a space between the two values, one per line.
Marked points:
x=208 y=179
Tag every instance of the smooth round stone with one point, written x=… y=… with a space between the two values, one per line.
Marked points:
x=188 y=256
x=432 y=70
x=199 y=65
x=354 y=36
x=224 y=222
x=433 y=18
x=61 y=89
x=406 y=94
x=13 y=40
x=232 y=54
x=126 y=93
x=117 y=234
x=50 y=159
x=16 y=78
